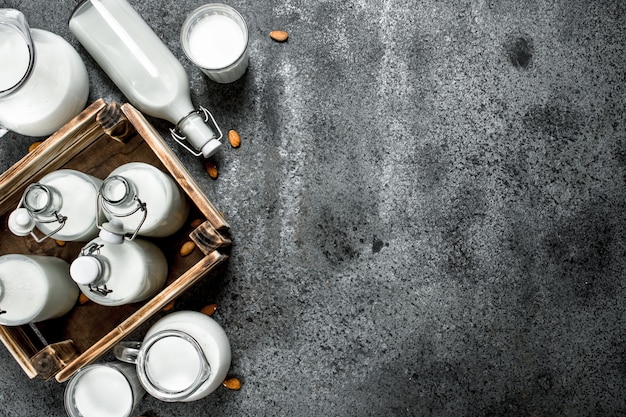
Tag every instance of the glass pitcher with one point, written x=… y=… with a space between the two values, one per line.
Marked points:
x=43 y=81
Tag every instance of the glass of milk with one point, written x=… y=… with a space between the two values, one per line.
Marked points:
x=103 y=390
x=215 y=38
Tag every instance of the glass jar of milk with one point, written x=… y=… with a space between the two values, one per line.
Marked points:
x=144 y=199
x=184 y=357
x=46 y=83
x=62 y=205
x=34 y=288
x=113 y=271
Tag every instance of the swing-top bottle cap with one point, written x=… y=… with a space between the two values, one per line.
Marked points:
x=211 y=147
x=20 y=222
x=112 y=232
x=86 y=270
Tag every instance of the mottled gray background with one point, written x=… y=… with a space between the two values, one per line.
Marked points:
x=427 y=209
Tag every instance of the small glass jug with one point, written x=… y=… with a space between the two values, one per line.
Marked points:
x=184 y=357
x=43 y=81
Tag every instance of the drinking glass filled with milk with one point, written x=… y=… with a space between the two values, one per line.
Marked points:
x=43 y=81
x=184 y=357
x=34 y=288
x=144 y=199
x=62 y=205
x=103 y=390
x=215 y=38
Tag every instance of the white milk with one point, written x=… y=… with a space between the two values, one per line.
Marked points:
x=103 y=390
x=211 y=338
x=141 y=66
x=174 y=363
x=34 y=288
x=166 y=203
x=216 y=41
x=78 y=193
x=12 y=49
x=133 y=271
x=55 y=92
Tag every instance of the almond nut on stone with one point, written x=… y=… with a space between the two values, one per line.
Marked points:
x=232 y=383
x=187 y=248
x=279 y=35
x=33 y=146
x=211 y=169
x=209 y=310
x=234 y=139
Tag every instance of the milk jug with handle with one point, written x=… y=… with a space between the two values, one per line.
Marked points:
x=43 y=81
x=185 y=356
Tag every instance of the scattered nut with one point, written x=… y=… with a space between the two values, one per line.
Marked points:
x=60 y=243
x=82 y=299
x=196 y=223
x=187 y=248
x=33 y=146
x=234 y=139
x=209 y=310
x=169 y=306
x=232 y=383
x=211 y=169
x=279 y=35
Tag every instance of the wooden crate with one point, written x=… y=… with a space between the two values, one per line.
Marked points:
x=102 y=137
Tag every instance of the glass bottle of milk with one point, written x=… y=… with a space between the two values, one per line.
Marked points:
x=62 y=205
x=144 y=69
x=113 y=271
x=144 y=199
x=34 y=288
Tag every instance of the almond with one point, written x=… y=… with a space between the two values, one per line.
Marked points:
x=60 y=242
x=187 y=248
x=82 y=299
x=196 y=223
x=33 y=146
x=279 y=35
x=211 y=169
x=209 y=310
x=169 y=306
x=232 y=383
x=234 y=139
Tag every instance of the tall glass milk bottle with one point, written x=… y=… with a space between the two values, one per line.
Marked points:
x=144 y=199
x=113 y=271
x=144 y=69
x=62 y=205
x=34 y=288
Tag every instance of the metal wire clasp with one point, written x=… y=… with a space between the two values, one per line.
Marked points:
x=179 y=137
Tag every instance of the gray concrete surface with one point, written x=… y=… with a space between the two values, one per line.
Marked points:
x=427 y=209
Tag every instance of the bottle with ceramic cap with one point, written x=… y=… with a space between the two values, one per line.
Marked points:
x=34 y=288
x=144 y=199
x=113 y=271
x=62 y=205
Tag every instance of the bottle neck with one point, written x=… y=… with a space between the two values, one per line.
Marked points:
x=42 y=201
x=118 y=192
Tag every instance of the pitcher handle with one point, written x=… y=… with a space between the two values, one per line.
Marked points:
x=127 y=351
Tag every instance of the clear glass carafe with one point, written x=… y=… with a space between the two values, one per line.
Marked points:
x=43 y=81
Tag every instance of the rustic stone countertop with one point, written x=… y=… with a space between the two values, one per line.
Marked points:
x=427 y=208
